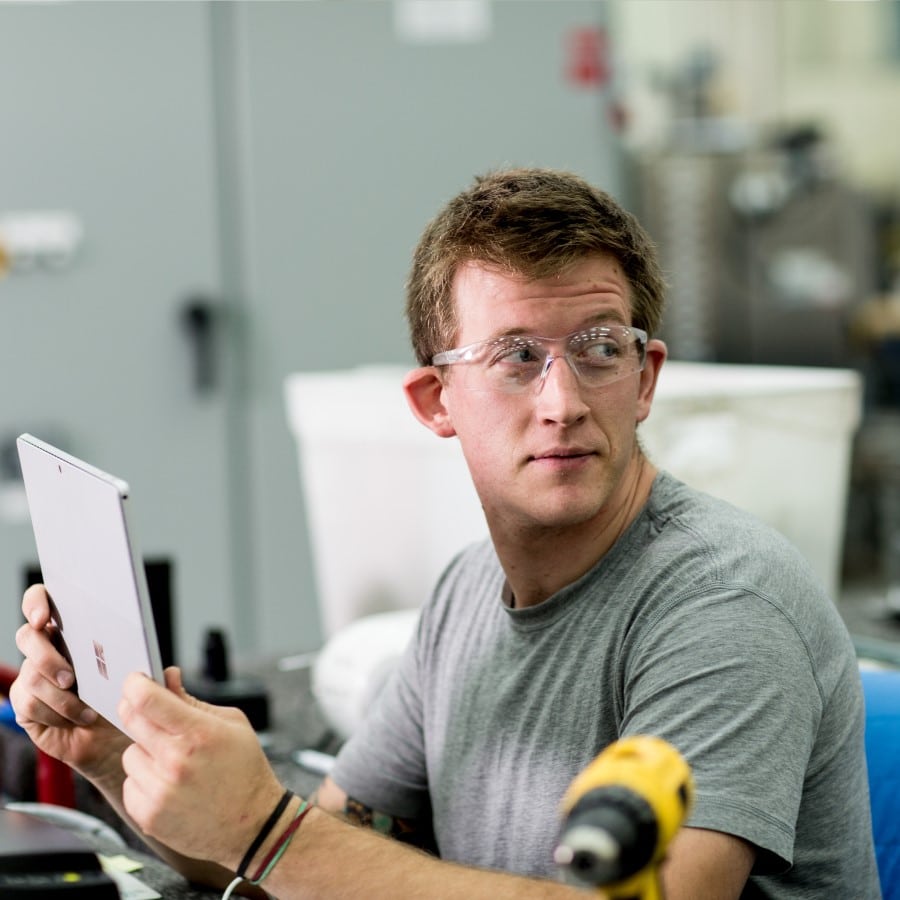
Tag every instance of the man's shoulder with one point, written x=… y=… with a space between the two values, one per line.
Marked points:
x=691 y=542
x=703 y=549
x=684 y=515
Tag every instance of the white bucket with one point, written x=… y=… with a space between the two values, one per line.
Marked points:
x=388 y=504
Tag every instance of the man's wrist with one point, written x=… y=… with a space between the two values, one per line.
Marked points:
x=263 y=854
x=282 y=841
x=264 y=835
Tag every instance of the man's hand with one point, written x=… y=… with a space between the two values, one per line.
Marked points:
x=196 y=777
x=46 y=707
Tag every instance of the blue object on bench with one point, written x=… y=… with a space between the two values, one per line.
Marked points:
x=8 y=716
x=882 y=692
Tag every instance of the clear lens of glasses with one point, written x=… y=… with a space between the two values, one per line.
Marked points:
x=510 y=364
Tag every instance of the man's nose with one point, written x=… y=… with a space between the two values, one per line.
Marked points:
x=559 y=391
x=564 y=370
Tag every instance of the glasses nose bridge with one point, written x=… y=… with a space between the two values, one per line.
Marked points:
x=550 y=356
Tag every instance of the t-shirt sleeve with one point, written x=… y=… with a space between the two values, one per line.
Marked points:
x=726 y=678
x=383 y=763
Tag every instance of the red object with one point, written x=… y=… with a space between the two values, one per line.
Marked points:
x=587 y=59
x=55 y=782
x=7 y=676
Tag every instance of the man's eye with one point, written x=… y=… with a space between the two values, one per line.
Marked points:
x=599 y=352
x=515 y=355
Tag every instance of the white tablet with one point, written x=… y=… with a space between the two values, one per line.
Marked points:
x=93 y=572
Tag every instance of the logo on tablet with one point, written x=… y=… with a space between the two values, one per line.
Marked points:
x=100 y=659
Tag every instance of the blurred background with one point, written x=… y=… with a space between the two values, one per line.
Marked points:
x=198 y=200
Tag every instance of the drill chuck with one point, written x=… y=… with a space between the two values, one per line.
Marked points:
x=610 y=834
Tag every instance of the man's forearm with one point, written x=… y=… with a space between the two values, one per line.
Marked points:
x=329 y=858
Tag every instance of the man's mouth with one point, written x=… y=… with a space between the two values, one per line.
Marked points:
x=563 y=453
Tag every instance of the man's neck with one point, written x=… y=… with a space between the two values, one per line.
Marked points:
x=540 y=562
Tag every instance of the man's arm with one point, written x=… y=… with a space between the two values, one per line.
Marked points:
x=333 y=799
x=700 y=864
x=195 y=783
x=180 y=788
x=706 y=865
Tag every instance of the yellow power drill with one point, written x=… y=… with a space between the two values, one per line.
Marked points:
x=619 y=816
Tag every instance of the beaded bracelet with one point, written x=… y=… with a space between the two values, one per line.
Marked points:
x=268 y=825
x=277 y=851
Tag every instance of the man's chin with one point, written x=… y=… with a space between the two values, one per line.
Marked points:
x=562 y=515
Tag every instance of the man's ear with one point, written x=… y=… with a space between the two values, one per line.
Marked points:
x=656 y=356
x=425 y=395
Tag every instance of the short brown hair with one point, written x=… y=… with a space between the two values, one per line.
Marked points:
x=535 y=223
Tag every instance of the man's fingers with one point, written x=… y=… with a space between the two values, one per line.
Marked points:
x=36 y=606
x=143 y=794
x=35 y=699
x=174 y=681
x=175 y=684
x=35 y=711
x=154 y=712
x=37 y=647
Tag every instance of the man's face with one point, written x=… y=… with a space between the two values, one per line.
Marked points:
x=558 y=454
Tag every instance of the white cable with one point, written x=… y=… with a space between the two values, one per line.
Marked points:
x=231 y=887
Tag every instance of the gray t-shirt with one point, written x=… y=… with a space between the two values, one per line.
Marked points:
x=702 y=626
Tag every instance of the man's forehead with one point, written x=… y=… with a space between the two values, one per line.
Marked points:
x=596 y=287
x=600 y=265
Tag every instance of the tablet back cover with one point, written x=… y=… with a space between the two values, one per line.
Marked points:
x=92 y=572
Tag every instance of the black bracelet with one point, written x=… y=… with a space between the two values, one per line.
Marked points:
x=268 y=825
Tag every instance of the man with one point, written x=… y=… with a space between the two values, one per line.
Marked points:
x=610 y=600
